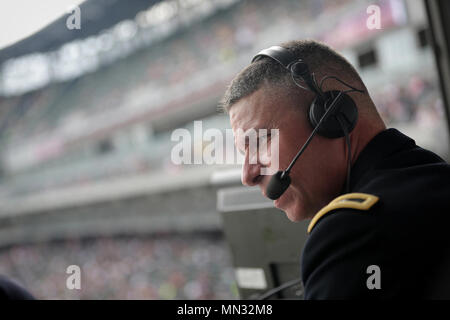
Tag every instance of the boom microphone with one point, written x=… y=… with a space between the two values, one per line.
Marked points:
x=281 y=180
x=278 y=184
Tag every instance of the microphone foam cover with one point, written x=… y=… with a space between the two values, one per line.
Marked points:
x=277 y=185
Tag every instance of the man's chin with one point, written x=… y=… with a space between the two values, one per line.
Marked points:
x=292 y=211
x=293 y=216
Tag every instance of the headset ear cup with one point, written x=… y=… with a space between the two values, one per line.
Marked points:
x=331 y=128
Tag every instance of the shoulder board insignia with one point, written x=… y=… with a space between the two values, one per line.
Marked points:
x=359 y=201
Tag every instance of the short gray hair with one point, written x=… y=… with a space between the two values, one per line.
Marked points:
x=266 y=71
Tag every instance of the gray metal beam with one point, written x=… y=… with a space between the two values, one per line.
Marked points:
x=438 y=12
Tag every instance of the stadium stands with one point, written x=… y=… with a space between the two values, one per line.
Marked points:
x=184 y=266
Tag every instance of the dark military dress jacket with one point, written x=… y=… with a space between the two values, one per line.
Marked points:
x=389 y=238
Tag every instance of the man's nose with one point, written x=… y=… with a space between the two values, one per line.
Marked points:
x=251 y=171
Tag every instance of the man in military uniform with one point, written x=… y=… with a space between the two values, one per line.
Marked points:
x=379 y=232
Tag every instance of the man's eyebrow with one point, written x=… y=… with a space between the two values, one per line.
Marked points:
x=258 y=135
x=267 y=126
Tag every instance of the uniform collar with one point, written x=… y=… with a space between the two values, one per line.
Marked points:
x=380 y=147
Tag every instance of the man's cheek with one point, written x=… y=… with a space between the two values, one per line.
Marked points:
x=284 y=157
x=270 y=160
x=270 y=157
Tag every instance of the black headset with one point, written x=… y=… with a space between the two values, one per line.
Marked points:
x=345 y=109
x=332 y=114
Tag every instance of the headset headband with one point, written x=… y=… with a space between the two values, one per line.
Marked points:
x=296 y=66
x=279 y=54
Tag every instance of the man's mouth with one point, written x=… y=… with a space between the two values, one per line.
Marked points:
x=276 y=203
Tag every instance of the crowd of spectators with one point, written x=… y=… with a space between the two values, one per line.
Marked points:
x=409 y=102
x=165 y=266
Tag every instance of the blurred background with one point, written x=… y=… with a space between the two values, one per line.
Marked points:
x=86 y=117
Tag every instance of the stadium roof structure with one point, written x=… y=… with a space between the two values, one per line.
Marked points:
x=97 y=15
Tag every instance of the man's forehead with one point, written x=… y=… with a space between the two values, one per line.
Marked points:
x=252 y=112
